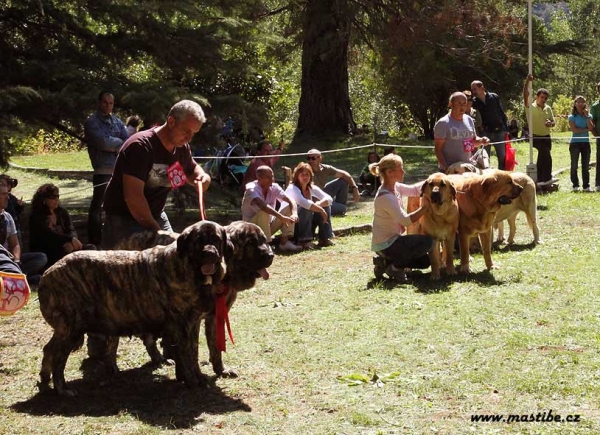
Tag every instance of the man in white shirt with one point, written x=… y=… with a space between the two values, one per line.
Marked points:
x=259 y=207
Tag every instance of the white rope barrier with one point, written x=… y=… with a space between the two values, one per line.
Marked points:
x=371 y=145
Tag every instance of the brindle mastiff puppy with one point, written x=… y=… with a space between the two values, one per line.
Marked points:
x=479 y=200
x=163 y=291
x=246 y=261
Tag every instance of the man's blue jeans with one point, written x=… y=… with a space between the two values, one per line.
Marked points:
x=117 y=228
x=338 y=190
x=497 y=136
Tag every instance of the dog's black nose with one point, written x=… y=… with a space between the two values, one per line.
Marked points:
x=436 y=197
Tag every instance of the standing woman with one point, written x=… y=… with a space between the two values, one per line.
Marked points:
x=390 y=220
x=311 y=214
x=581 y=124
x=51 y=230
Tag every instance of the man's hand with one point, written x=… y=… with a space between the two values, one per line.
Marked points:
x=288 y=220
x=355 y=194
x=204 y=180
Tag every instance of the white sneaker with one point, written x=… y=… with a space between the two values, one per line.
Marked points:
x=588 y=189
x=597 y=188
x=575 y=189
x=289 y=247
x=554 y=180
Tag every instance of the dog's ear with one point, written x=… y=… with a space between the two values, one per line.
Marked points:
x=452 y=189
x=423 y=188
x=235 y=239
x=228 y=247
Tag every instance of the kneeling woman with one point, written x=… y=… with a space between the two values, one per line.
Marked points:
x=390 y=220
x=51 y=230
x=311 y=214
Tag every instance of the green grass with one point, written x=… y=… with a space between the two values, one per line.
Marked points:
x=76 y=160
x=521 y=339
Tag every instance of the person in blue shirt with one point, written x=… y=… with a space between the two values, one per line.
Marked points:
x=581 y=124
x=104 y=133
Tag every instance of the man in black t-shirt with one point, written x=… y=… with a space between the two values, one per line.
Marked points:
x=148 y=166
x=494 y=121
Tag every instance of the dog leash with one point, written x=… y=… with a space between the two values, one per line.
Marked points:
x=222 y=318
x=201 y=202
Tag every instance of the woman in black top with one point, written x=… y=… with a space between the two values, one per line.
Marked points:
x=51 y=229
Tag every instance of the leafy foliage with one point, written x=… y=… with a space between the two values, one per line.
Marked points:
x=57 y=56
x=433 y=49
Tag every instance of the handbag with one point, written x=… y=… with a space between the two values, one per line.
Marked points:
x=510 y=161
x=480 y=159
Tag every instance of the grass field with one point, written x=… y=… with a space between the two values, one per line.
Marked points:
x=323 y=348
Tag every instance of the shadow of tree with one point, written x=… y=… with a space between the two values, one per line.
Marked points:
x=153 y=399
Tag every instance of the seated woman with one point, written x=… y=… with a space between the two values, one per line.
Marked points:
x=51 y=230
x=311 y=214
x=396 y=252
x=368 y=179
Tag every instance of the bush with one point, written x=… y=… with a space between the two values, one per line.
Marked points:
x=562 y=107
x=45 y=142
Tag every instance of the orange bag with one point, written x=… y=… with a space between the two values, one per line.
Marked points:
x=14 y=292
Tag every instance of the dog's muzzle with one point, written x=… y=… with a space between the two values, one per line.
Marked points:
x=436 y=196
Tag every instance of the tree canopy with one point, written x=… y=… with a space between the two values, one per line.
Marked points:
x=282 y=65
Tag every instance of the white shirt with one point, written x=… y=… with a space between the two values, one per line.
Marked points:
x=253 y=190
x=315 y=192
x=389 y=217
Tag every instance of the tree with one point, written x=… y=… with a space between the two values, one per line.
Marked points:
x=58 y=55
x=433 y=49
x=324 y=100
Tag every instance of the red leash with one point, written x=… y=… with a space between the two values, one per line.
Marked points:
x=201 y=202
x=222 y=319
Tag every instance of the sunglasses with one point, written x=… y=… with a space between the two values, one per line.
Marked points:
x=53 y=196
x=312 y=157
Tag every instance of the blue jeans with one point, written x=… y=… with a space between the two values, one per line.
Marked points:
x=585 y=150
x=33 y=263
x=497 y=136
x=409 y=251
x=338 y=190
x=117 y=228
x=308 y=221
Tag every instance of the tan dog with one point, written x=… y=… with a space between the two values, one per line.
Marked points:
x=526 y=202
x=479 y=200
x=440 y=221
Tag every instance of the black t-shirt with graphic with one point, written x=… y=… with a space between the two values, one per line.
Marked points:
x=143 y=156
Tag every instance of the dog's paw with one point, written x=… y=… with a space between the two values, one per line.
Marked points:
x=228 y=373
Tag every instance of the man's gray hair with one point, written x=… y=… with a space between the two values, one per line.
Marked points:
x=186 y=108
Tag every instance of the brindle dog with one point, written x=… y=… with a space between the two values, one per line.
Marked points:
x=248 y=260
x=161 y=291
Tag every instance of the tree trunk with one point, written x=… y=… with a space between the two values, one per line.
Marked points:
x=324 y=100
